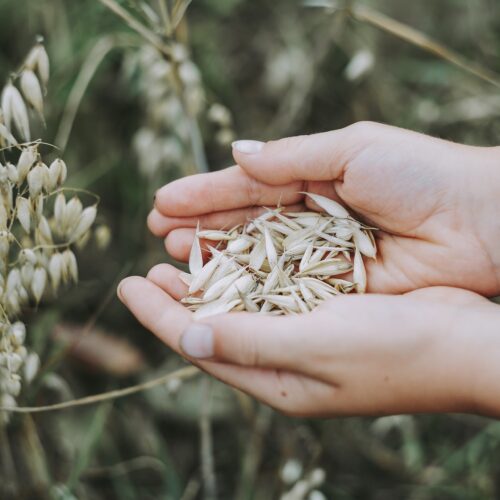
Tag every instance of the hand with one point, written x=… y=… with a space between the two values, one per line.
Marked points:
x=433 y=350
x=436 y=202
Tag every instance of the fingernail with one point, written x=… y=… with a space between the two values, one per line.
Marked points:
x=120 y=289
x=198 y=341
x=248 y=147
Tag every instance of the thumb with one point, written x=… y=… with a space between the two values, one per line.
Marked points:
x=316 y=157
x=247 y=339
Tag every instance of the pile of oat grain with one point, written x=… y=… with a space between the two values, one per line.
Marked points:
x=280 y=263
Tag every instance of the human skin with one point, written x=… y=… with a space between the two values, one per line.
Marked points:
x=419 y=349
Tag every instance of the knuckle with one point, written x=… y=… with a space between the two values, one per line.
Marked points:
x=155 y=272
x=254 y=192
x=159 y=324
x=255 y=212
x=291 y=151
x=295 y=145
x=249 y=351
x=290 y=145
x=363 y=128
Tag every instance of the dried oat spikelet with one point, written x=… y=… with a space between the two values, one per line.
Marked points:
x=15 y=111
x=38 y=60
x=32 y=90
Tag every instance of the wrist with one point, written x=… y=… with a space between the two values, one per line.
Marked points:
x=479 y=334
x=483 y=202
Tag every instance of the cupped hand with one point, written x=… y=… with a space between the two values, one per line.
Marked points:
x=433 y=350
x=435 y=202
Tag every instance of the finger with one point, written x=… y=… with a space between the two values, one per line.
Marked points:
x=447 y=295
x=161 y=225
x=317 y=157
x=154 y=309
x=167 y=278
x=223 y=190
x=178 y=243
x=250 y=339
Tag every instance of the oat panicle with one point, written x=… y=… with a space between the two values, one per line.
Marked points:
x=39 y=228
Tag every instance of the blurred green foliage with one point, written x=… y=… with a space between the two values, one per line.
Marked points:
x=280 y=68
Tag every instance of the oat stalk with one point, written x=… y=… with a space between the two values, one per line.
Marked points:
x=181 y=374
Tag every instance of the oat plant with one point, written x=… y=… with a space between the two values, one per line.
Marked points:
x=41 y=221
